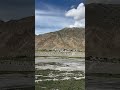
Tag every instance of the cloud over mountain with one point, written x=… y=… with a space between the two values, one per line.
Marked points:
x=78 y=14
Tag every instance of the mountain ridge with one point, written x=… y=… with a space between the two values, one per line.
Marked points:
x=67 y=38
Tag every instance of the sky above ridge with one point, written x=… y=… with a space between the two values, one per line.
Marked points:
x=52 y=15
x=16 y=9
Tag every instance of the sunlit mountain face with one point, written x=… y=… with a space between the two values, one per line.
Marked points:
x=67 y=38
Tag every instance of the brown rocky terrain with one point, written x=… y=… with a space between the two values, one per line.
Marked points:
x=17 y=37
x=67 y=38
x=102 y=30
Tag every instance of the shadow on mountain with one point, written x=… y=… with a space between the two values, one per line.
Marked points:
x=17 y=51
x=102 y=46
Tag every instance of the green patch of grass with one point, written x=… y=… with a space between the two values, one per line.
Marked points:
x=61 y=85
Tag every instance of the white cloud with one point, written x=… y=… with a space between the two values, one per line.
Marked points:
x=79 y=23
x=78 y=14
x=49 y=21
x=53 y=18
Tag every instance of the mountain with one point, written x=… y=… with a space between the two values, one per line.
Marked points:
x=103 y=15
x=17 y=37
x=67 y=38
x=102 y=30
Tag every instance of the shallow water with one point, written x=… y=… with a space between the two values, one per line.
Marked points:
x=60 y=64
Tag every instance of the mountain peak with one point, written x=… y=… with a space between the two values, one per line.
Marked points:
x=67 y=38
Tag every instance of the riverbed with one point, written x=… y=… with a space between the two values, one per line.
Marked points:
x=54 y=70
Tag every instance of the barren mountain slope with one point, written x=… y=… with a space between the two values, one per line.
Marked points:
x=17 y=37
x=102 y=30
x=67 y=38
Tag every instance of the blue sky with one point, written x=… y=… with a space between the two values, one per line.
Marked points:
x=50 y=15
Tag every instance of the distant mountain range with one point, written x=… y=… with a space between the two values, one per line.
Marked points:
x=67 y=38
x=102 y=33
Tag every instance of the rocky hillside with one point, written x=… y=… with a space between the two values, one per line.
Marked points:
x=103 y=15
x=102 y=30
x=67 y=38
x=17 y=37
